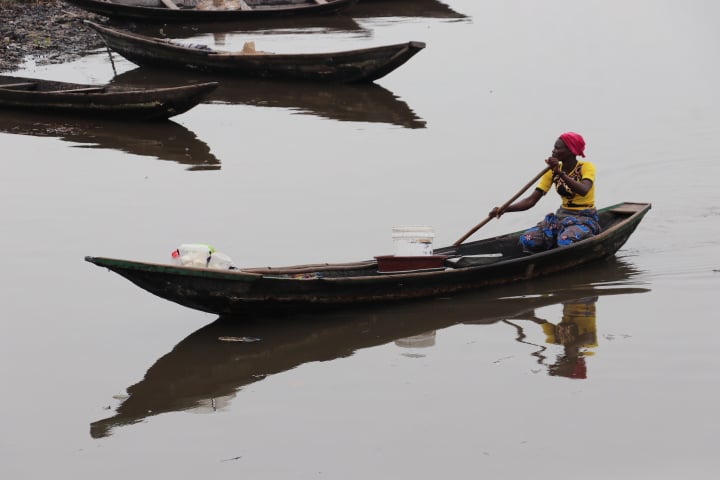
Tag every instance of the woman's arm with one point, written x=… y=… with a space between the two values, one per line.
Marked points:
x=579 y=188
x=521 y=205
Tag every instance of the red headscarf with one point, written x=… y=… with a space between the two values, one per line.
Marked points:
x=575 y=143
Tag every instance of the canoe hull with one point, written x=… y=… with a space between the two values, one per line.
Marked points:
x=106 y=101
x=163 y=14
x=320 y=287
x=351 y=66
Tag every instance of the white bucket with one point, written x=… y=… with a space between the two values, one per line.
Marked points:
x=413 y=241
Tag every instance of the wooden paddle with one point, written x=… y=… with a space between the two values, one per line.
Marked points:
x=503 y=207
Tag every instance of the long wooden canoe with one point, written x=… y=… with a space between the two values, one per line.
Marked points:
x=350 y=66
x=109 y=101
x=208 y=10
x=473 y=265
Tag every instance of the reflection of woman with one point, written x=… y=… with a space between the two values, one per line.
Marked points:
x=574 y=181
x=576 y=333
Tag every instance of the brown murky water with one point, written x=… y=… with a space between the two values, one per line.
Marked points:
x=102 y=380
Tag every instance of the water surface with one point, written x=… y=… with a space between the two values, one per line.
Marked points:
x=103 y=380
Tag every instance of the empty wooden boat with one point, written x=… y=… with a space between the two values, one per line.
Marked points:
x=109 y=101
x=350 y=66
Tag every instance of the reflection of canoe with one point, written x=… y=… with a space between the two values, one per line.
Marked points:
x=108 y=101
x=165 y=141
x=473 y=265
x=194 y=11
x=349 y=66
x=202 y=369
x=349 y=103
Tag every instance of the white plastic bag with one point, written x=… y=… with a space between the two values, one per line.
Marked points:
x=201 y=255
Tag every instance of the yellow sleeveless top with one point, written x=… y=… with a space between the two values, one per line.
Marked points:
x=570 y=200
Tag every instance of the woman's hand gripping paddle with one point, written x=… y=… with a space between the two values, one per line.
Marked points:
x=502 y=208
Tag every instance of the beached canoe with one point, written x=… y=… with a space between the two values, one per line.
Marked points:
x=469 y=266
x=208 y=10
x=350 y=66
x=108 y=101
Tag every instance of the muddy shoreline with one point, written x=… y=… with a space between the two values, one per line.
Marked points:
x=48 y=31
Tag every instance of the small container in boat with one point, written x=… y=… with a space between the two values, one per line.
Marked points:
x=393 y=263
x=410 y=241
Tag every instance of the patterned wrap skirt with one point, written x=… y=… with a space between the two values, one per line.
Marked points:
x=561 y=229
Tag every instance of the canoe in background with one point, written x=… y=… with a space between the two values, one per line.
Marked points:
x=208 y=10
x=109 y=101
x=350 y=66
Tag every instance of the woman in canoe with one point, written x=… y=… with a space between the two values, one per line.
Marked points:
x=574 y=181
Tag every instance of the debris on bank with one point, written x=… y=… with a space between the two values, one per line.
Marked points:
x=48 y=31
